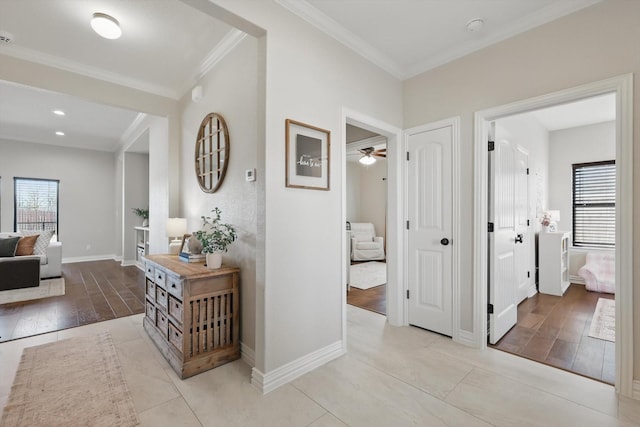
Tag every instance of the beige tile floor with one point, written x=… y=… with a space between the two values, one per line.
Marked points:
x=391 y=376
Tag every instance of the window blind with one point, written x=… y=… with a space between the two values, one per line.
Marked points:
x=594 y=204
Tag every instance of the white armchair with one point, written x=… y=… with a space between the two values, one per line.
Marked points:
x=365 y=245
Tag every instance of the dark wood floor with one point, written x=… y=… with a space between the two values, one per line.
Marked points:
x=372 y=299
x=94 y=291
x=555 y=331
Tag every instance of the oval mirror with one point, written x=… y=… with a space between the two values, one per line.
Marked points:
x=212 y=152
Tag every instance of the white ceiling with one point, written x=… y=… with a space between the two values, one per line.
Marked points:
x=588 y=111
x=167 y=45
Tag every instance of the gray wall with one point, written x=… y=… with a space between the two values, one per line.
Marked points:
x=136 y=195
x=86 y=200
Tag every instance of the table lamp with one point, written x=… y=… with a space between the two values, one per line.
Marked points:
x=176 y=228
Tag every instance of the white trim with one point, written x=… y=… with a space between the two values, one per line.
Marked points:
x=89 y=258
x=623 y=87
x=578 y=280
x=466 y=338
x=292 y=370
x=126 y=137
x=636 y=389
x=247 y=354
x=395 y=311
x=458 y=335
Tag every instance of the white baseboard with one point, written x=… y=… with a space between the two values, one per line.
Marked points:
x=88 y=258
x=636 y=389
x=466 y=338
x=247 y=354
x=127 y=263
x=576 y=279
x=289 y=372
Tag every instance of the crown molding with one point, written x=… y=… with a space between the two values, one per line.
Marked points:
x=126 y=137
x=552 y=12
x=85 y=70
x=304 y=10
x=215 y=55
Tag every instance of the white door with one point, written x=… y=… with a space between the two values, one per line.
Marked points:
x=523 y=238
x=503 y=309
x=429 y=195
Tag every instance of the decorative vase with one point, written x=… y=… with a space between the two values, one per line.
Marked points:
x=145 y=222
x=214 y=260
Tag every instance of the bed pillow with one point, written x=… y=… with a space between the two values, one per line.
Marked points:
x=8 y=246
x=26 y=245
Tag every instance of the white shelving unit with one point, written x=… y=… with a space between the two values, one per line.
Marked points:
x=553 y=258
x=142 y=245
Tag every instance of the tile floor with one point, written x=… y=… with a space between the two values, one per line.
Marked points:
x=391 y=376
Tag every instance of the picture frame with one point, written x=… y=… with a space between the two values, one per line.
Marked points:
x=184 y=246
x=307 y=157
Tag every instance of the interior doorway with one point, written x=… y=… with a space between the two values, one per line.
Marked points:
x=622 y=87
x=366 y=225
x=557 y=317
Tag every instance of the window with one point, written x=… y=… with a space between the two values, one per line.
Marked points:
x=35 y=205
x=594 y=204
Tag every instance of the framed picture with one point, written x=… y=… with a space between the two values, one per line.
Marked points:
x=307 y=156
x=184 y=247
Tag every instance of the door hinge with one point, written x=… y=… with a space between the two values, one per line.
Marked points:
x=527 y=171
x=407 y=156
x=490 y=308
x=407 y=224
x=528 y=223
x=528 y=274
x=492 y=146
x=407 y=293
x=490 y=227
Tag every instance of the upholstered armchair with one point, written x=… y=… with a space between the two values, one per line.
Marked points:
x=365 y=245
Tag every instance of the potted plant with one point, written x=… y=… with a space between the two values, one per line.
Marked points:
x=215 y=237
x=144 y=214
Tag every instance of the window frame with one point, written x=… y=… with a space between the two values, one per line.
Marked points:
x=574 y=168
x=15 y=201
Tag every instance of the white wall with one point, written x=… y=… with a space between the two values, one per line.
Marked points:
x=136 y=195
x=372 y=196
x=583 y=144
x=310 y=77
x=353 y=191
x=549 y=58
x=86 y=193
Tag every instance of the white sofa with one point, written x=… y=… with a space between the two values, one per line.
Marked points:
x=365 y=245
x=50 y=260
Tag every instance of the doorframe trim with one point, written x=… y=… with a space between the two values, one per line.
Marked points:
x=395 y=245
x=457 y=334
x=622 y=86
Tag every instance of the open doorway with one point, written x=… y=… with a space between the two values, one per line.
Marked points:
x=564 y=223
x=366 y=226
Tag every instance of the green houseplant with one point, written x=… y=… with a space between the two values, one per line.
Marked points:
x=142 y=213
x=215 y=237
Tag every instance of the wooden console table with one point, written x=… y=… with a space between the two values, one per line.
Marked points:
x=192 y=313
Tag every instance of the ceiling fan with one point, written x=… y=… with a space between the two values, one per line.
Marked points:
x=369 y=154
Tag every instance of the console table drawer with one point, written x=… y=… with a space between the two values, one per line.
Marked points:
x=150 y=289
x=175 y=309
x=160 y=277
x=161 y=297
x=175 y=336
x=151 y=311
x=174 y=286
x=149 y=271
x=162 y=323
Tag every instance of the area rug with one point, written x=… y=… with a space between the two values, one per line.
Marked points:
x=74 y=382
x=368 y=274
x=603 y=323
x=47 y=288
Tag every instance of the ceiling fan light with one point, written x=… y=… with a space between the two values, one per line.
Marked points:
x=367 y=160
x=106 y=26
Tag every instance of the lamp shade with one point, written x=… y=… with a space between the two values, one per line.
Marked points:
x=554 y=215
x=176 y=227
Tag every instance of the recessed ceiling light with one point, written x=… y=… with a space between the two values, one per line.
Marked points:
x=106 y=26
x=60 y=133
x=475 y=25
x=58 y=112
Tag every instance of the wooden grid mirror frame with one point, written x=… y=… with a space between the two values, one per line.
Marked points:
x=212 y=152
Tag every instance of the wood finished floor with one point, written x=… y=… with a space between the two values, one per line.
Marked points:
x=94 y=291
x=555 y=331
x=372 y=299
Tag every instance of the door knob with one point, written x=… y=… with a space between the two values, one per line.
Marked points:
x=519 y=238
x=444 y=242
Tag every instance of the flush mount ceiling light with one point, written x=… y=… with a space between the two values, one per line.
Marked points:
x=367 y=160
x=58 y=112
x=60 y=133
x=475 y=25
x=106 y=26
